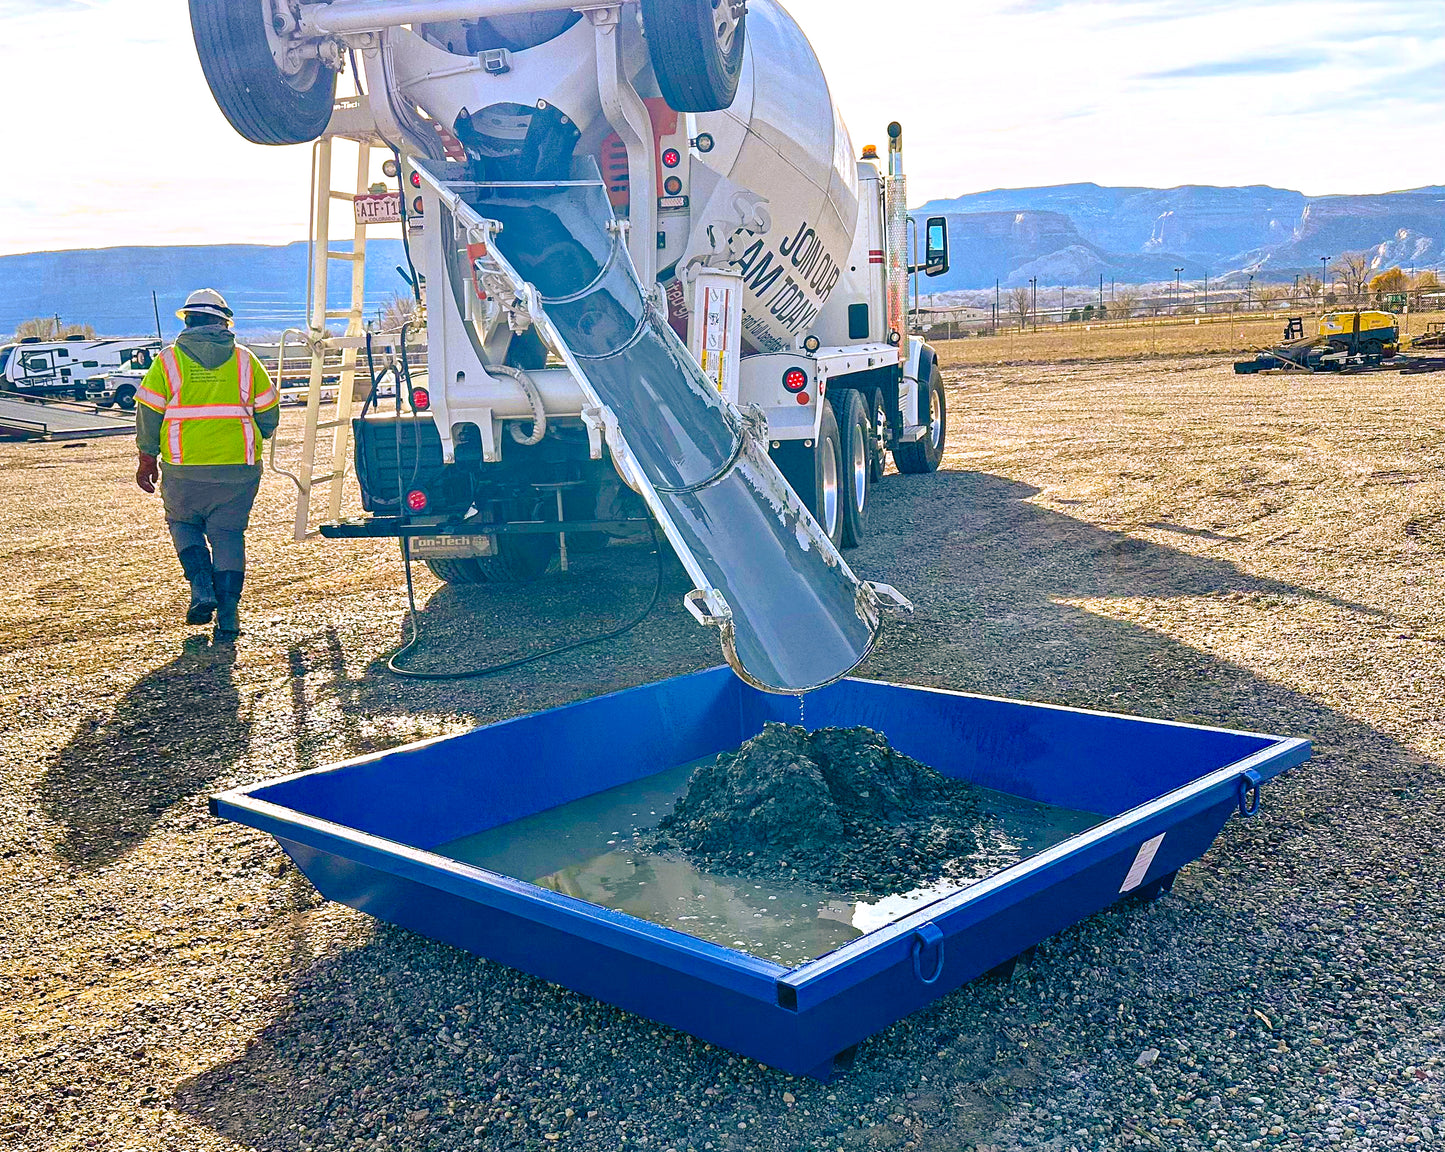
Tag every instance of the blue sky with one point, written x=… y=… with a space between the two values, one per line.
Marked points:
x=1320 y=95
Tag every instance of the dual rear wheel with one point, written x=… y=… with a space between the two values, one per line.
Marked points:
x=852 y=453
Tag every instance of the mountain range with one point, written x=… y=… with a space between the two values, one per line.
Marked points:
x=1072 y=234
x=110 y=288
x=1067 y=234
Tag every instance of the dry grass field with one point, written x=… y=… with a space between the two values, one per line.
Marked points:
x=1212 y=335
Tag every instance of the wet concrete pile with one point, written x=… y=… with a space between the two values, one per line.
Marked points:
x=839 y=807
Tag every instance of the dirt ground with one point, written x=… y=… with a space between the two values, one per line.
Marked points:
x=1161 y=538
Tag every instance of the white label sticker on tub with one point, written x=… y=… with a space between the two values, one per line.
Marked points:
x=1147 y=851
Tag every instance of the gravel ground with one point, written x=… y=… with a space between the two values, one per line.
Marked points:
x=1164 y=538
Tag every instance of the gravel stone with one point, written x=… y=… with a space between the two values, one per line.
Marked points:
x=1159 y=538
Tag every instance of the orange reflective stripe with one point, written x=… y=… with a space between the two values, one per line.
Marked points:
x=207 y=412
x=267 y=399
x=244 y=364
x=173 y=373
x=175 y=378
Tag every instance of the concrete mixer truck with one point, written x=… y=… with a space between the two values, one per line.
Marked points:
x=657 y=284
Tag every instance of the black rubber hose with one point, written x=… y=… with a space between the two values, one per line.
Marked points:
x=396 y=669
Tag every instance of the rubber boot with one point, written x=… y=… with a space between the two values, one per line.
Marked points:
x=196 y=563
x=228 y=596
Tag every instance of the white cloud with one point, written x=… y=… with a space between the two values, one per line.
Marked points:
x=1151 y=92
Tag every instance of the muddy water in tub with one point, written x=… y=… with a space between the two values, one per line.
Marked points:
x=591 y=849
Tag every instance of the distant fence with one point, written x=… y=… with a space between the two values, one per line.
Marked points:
x=952 y=323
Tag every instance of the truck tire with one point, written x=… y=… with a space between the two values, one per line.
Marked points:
x=878 y=407
x=125 y=397
x=856 y=443
x=827 y=503
x=920 y=456
x=696 y=48
x=520 y=560
x=237 y=52
x=455 y=571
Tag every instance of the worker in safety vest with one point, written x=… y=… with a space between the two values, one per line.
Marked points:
x=204 y=408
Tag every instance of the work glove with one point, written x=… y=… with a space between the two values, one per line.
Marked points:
x=147 y=472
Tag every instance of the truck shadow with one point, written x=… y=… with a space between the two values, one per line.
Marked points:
x=428 y=1046
x=172 y=733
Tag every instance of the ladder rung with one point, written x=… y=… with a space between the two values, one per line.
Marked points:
x=350 y=315
x=346 y=255
x=331 y=424
x=326 y=476
x=342 y=195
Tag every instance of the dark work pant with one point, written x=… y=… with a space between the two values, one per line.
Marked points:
x=198 y=511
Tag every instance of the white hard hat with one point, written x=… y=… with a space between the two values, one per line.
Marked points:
x=206 y=302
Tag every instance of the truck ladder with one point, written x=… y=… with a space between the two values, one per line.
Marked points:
x=318 y=281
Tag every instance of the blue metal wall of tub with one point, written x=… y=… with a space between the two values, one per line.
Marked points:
x=361 y=832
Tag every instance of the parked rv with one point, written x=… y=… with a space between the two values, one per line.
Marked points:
x=35 y=367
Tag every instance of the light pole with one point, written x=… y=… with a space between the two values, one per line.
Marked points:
x=1063 y=308
x=1324 y=277
x=1034 y=300
x=1176 y=288
x=1249 y=295
x=1206 y=291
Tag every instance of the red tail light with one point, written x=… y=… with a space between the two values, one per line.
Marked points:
x=416 y=179
x=418 y=206
x=420 y=399
x=795 y=379
x=416 y=500
x=802 y=397
x=671 y=158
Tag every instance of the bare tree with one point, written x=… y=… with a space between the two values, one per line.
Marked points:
x=1353 y=270
x=1126 y=300
x=1268 y=295
x=1309 y=287
x=50 y=328
x=1020 y=302
x=395 y=312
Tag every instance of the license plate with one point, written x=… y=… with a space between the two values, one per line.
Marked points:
x=452 y=547
x=378 y=208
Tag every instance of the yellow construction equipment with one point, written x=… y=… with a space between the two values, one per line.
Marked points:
x=1361 y=333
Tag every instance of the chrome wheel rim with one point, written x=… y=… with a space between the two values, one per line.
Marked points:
x=298 y=66
x=860 y=467
x=935 y=425
x=726 y=16
x=830 y=489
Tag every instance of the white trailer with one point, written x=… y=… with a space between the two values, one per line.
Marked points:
x=656 y=280
x=74 y=367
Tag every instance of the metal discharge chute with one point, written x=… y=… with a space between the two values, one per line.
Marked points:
x=792 y=615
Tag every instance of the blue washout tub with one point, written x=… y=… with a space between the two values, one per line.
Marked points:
x=364 y=831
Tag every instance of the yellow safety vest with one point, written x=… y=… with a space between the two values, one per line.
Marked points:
x=209 y=412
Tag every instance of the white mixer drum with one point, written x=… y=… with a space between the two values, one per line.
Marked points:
x=784 y=141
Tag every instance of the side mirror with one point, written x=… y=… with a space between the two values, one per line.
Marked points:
x=935 y=261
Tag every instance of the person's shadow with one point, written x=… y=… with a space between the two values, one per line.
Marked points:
x=173 y=733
